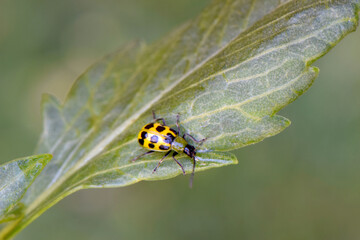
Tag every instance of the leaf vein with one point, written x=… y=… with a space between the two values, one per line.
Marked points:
x=256 y=97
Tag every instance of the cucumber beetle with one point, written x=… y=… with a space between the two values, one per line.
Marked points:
x=158 y=137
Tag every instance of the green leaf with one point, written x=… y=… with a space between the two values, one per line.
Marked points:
x=226 y=73
x=15 y=178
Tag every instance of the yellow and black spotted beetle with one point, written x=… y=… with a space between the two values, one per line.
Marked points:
x=161 y=138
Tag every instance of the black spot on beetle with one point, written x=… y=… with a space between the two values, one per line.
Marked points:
x=151 y=145
x=163 y=147
x=141 y=141
x=175 y=132
x=150 y=125
x=160 y=128
x=168 y=139
x=171 y=136
x=154 y=139
x=144 y=135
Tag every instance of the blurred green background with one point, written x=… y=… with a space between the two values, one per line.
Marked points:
x=301 y=184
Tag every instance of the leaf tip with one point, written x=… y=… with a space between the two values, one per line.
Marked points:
x=45 y=158
x=235 y=160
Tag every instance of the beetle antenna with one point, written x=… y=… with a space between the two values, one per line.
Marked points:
x=201 y=143
x=192 y=173
x=194 y=163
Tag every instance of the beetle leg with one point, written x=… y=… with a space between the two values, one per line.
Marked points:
x=161 y=160
x=182 y=168
x=141 y=155
x=192 y=173
x=194 y=139
x=177 y=123
x=158 y=119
